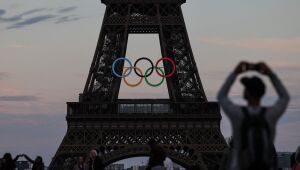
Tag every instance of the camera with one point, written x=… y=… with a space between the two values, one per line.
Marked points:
x=250 y=66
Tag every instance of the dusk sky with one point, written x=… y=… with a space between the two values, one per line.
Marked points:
x=46 y=48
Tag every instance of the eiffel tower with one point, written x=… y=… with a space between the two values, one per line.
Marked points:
x=186 y=124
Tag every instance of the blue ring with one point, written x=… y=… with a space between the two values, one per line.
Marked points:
x=114 y=64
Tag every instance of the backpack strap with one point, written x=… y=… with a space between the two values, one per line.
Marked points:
x=247 y=120
x=262 y=115
x=244 y=126
x=245 y=112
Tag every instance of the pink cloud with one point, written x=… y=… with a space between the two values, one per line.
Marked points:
x=285 y=65
x=8 y=90
x=18 y=46
x=4 y=75
x=272 y=44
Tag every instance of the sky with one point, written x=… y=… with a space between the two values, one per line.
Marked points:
x=46 y=48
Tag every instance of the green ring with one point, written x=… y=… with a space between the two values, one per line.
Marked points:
x=154 y=85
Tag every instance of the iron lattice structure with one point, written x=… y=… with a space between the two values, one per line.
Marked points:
x=186 y=124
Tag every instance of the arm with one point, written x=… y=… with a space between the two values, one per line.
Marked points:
x=278 y=109
x=283 y=94
x=28 y=159
x=228 y=106
x=16 y=158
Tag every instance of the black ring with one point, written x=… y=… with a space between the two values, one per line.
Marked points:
x=143 y=58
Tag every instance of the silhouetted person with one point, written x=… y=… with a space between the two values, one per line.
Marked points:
x=37 y=164
x=293 y=160
x=157 y=156
x=80 y=165
x=7 y=163
x=296 y=166
x=253 y=125
x=96 y=163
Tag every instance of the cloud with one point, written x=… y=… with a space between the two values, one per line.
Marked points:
x=66 y=19
x=22 y=20
x=31 y=21
x=19 y=16
x=2 y=12
x=4 y=75
x=18 y=98
x=68 y=9
x=272 y=44
x=33 y=11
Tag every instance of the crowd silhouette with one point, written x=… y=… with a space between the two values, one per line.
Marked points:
x=254 y=129
x=7 y=163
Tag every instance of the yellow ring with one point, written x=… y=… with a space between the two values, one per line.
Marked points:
x=132 y=85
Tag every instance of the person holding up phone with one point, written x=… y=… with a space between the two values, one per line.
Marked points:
x=37 y=164
x=253 y=125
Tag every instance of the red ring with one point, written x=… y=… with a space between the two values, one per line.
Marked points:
x=172 y=62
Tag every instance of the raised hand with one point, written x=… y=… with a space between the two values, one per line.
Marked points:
x=264 y=69
x=241 y=67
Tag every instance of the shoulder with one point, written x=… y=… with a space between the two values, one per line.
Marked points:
x=168 y=161
x=272 y=113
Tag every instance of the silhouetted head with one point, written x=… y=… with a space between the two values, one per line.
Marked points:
x=7 y=157
x=93 y=154
x=80 y=160
x=152 y=143
x=293 y=159
x=254 y=88
x=157 y=155
x=39 y=160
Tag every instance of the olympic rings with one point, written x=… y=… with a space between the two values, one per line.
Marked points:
x=173 y=64
x=114 y=65
x=138 y=83
x=160 y=72
x=158 y=84
x=143 y=58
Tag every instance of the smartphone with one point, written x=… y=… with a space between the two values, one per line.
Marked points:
x=255 y=67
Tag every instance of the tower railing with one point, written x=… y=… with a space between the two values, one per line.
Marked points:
x=142 y=1
x=144 y=108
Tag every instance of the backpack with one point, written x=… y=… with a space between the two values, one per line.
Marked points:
x=257 y=146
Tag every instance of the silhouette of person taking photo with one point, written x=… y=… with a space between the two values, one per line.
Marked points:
x=157 y=157
x=38 y=163
x=80 y=164
x=253 y=125
x=7 y=163
x=96 y=163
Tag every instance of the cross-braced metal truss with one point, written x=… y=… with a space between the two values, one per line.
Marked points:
x=119 y=21
x=186 y=144
x=186 y=124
